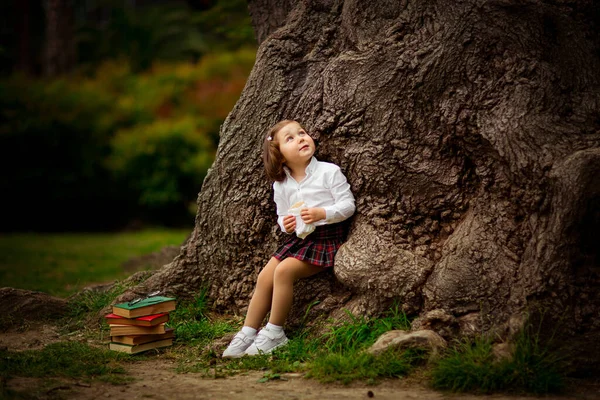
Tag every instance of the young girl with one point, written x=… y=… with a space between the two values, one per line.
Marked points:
x=288 y=157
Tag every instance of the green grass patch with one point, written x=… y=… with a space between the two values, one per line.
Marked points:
x=338 y=355
x=360 y=332
x=87 y=302
x=193 y=325
x=62 y=264
x=345 y=368
x=341 y=354
x=65 y=359
x=470 y=366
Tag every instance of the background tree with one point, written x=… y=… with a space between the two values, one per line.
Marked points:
x=470 y=134
x=59 y=52
x=131 y=129
x=50 y=37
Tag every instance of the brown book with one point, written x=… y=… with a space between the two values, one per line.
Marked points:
x=122 y=330
x=138 y=348
x=147 y=320
x=147 y=306
x=141 y=339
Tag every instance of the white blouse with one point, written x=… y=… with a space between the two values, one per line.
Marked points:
x=323 y=186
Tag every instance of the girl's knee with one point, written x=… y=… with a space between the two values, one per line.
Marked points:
x=265 y=277
x=284 y=273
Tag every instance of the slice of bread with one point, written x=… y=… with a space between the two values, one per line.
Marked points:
x=298 y=204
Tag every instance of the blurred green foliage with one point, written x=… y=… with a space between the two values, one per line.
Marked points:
x=160 y=32
x=227 y=25
x=95 y=152
x=143 y=32
x=163 y=161
x=129 y=134
x=167 y=31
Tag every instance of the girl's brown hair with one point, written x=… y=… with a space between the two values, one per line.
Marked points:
x=272 y=157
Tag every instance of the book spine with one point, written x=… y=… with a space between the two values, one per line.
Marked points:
x=140 y=347
x=123 y=330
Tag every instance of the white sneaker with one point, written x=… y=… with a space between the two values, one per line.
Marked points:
x=237 y=347
x=266 y=341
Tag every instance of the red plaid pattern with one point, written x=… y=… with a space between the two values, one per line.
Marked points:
x=318 y=248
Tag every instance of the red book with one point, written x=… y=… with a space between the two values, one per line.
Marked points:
x=148 y=320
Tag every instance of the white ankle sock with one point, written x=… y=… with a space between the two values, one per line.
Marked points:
x=249 y=331
x=274 y=328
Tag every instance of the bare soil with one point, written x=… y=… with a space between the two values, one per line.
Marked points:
x=155 y=378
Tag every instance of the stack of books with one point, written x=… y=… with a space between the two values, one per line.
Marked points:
x=139 y=325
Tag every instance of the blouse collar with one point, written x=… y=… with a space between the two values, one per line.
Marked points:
x=310 y=168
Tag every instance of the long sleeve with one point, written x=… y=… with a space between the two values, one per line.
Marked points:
x=343 y=206
x=281 y=203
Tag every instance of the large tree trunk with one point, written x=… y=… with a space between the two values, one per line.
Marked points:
x=470 y=133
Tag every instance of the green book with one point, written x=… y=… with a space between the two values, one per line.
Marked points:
x=147 y=306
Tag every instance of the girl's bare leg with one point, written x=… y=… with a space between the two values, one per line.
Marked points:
x=286 y=273
x=260 y=304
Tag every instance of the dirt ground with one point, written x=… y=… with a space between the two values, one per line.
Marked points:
x=155 y=378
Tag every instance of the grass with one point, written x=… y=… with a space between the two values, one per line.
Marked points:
x=346 y=368
x=341 y=357
x=358 y=332
x=470 y=366
x=338 y=355
x=192 y=324
x=62 y=264
x=66 y=360
x=335 y=354
x=92 y=302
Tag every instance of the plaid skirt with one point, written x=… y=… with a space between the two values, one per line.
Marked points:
x=318 y=248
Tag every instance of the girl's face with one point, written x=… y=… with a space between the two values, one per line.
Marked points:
x=296 y=146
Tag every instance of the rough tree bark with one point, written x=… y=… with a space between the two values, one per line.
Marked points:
x=470 y=133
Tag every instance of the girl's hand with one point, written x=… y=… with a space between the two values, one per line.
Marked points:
x=289 y=223
x=312 y=215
